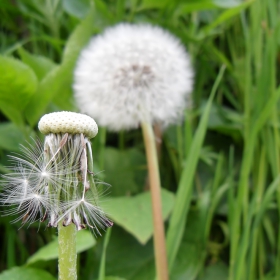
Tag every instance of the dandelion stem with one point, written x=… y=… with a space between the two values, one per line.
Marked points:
x=154 y=180
x=67 y=255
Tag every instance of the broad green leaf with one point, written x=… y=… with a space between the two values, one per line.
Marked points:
x=41 y=65
x=26 y=273
x=12 y=113
x=11 y=137
x=134 y=214
x=57 y=83
x=85 y=241
x=17 y=85
x=147 y=271
x=122 y=169
x=127 y=258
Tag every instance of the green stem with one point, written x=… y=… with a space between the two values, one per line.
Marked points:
x=102 y=269
x=154 y=180
x=67 y=255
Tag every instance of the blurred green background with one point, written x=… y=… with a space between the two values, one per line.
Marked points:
x=224 y=157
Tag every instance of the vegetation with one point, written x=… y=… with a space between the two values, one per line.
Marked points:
x=219 y=168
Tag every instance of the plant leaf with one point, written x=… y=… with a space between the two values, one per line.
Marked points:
x=127 y=258
x=134 y=214
x=26 y=273
x=85 y=241
x=216 y=271
x=123 y=170
x=17 y=85
x=11 y=136
x=41 y=65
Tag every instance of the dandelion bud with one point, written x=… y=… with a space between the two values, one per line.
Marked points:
x=55 y=180
x=68 y=122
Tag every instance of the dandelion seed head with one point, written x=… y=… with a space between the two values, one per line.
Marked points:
x=68 y=122
x=49 y=176
x=132 y=73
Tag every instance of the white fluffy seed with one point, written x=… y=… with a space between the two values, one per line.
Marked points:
x=68 y=122
x=133 y=73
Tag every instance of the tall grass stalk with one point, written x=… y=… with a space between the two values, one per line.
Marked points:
x=217 y=191
x=260 y=185
x=184 y=192
x=259 y=77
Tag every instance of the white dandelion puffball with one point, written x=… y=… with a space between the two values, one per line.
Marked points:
x=133 y=73
x=68 y=122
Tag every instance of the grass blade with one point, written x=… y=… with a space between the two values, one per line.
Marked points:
x=184 y=193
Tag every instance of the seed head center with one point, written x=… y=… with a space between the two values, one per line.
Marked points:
x=135 y=76
x=44 y=174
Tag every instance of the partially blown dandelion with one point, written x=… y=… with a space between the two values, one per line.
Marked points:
x=54 y=181
x=133 y=73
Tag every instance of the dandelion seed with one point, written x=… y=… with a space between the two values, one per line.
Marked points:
x=49 y=179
